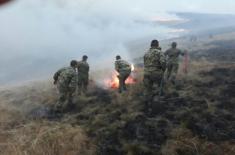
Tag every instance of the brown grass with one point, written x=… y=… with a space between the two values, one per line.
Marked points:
x=19 y=135
x=183 y=142
x=46 y=138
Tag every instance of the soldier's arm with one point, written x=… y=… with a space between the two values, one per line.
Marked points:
x=163 y=61
x=144 y=59
x=166 y=53
x=73 y=81
x=128 y=64
x=56 y=75
x=78 y=64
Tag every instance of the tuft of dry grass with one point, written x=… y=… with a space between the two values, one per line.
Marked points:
x=46 y=138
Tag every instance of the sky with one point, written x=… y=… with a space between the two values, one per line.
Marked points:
x=43 y=35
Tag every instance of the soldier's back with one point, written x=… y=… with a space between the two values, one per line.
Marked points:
x=66 y=75
x=173 y=54
x=122 y=65
x=83 y=67
x=153 y=60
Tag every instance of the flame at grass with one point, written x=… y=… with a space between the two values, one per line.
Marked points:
x=113 y=82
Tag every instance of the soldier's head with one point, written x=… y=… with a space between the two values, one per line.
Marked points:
x=174 y=45
x=73 y=63
x=85 y=57
x=154 y=43
x=118 y=57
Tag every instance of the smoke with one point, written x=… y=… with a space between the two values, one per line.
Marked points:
x=40 y=36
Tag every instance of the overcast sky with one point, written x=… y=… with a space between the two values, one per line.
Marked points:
x=54 y=31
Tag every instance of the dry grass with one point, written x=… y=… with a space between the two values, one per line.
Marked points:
x=19 y=135
x=183 y=142
x=46 y=138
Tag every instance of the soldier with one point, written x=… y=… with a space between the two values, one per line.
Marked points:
x=154 y=67
x=124 y=70
x=66 y=80
x=172 y=55
x=83 y=75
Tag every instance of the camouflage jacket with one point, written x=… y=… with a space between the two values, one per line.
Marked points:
x=173 y=55
x=83 y=68
x=66 y=77
x=122 y=66
x=154 y=61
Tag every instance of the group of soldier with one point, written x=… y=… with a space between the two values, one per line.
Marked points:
x=155 y=65
x=75 y=78
x=69 y=80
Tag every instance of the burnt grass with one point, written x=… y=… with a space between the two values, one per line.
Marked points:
x=119 y=124
x=224 y=51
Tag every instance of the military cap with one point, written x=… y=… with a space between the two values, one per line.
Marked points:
x=73 y=63
x=154 y=43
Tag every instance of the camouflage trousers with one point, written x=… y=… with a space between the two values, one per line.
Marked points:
x=172 y=69
x=152 y=83
x=82 y=84
x=152 y=87
x=65 y=99
x=123 y=75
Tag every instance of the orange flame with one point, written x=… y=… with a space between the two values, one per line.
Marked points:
x=114 y=81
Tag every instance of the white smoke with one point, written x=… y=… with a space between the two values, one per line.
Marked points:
x=39 y=36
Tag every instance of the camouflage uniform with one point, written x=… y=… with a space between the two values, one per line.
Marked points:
x=83 y=76
x=172 y=62
x=66 y=80
x=124 y=70
x=154 y=67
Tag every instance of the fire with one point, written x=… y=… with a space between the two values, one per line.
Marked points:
x=132 y=67
x=113 y=82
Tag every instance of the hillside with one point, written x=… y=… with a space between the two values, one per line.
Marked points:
x=194 y=117
x=198 y=22
x=222 y=43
